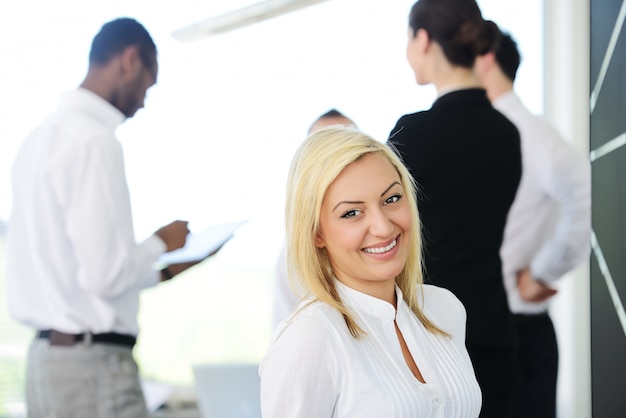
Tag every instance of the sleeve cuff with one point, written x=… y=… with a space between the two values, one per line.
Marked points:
x=153 y=247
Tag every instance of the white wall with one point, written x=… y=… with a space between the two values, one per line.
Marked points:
x=566 y=86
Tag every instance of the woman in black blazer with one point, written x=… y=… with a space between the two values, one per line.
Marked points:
x=466 y=159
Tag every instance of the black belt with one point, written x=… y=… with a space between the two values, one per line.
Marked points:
x=61 y=338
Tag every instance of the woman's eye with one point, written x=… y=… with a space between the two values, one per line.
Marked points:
x=350 y=214
x=393 y=199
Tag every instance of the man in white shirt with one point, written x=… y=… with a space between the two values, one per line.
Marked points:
x=74 y=268
x=547 y=232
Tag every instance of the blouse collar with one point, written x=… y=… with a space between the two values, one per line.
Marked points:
x=368 y=305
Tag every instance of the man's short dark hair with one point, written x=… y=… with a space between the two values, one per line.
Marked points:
x=117 y=35
x=508 y=56
x=332 y=113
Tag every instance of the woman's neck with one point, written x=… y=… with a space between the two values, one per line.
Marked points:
x=458 y=79
x=447 y=77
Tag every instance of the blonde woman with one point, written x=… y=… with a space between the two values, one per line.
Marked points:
x=371 y=340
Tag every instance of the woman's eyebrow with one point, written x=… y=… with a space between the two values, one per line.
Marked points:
x=389 y=188
x=355 y=202
x=350 y=202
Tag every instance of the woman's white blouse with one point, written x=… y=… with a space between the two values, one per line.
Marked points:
x=315 y=368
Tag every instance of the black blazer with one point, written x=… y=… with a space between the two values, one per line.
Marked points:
x=465 y=157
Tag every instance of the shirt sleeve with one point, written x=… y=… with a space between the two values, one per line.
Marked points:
x=299 y=375
x=567 y=180
x=99 y=223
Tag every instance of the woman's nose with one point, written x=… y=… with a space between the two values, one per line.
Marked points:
x=380 y=224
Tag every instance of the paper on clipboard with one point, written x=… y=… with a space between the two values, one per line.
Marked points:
x=199 y=246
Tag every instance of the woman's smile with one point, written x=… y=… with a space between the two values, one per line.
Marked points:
x=382 y=249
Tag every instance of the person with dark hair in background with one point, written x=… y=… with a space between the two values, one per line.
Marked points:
x=547 y=232
x=466 y=159
x=332 y=117
x=74 y=268
x=286 y=293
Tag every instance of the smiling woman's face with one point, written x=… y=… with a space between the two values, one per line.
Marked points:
x=365 y=225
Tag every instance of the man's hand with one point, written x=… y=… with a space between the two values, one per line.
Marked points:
x=532 y=290
x=174 y=234
x=177 y=268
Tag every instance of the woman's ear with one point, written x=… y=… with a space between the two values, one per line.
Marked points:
x=319 y=240
x=423 y=40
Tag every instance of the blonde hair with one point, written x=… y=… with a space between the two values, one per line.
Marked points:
x=316 y=164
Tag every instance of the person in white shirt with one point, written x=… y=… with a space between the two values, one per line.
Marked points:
x=547 y=232
x=74 y=268
x=286 y=297
x=370 y=340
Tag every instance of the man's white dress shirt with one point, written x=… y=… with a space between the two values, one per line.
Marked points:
x=73 y=262
x=315 y=368
x=549 y=224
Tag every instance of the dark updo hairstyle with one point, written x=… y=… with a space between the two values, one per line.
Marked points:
x=457 y=26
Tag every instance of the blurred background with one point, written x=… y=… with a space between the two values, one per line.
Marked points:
x=214 y=142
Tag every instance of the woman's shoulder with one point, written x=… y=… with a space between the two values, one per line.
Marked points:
x=410 y=126
x=414 y=119
x=444 y=307
x=311 y=320
x=304 y=350
x=308 y=338
x=434 y=293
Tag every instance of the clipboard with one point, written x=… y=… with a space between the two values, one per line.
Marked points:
x=201 y=245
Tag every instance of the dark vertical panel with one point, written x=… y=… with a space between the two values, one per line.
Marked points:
x=607 y=122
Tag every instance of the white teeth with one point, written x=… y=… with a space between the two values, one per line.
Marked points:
x=381 y=250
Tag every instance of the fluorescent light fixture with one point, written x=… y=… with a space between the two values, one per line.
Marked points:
x=239 y=18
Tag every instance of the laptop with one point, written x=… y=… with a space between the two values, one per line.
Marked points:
x=228 y=390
